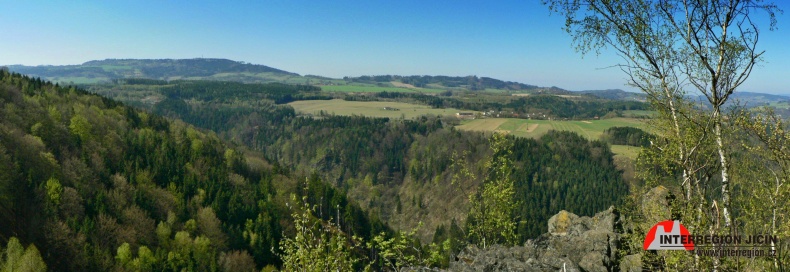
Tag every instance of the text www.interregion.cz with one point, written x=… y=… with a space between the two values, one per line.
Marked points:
x=731 y=252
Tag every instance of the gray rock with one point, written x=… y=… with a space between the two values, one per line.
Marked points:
x=560 y=223
x=631 y=263
x=573 y=244
x=592 y=261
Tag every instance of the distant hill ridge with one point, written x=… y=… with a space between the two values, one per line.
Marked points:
x=166 y=69
x=188 y=67
x=473 y=83
x=108 y=70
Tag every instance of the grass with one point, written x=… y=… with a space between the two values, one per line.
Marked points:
x=626 y=150
x=592 y=129
x=491 y=125
x=526 y=128
x=369 y=108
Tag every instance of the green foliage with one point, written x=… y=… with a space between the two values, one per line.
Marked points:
x=180 y=198
x=402 y=251
x=490 y=218
x=227 y=91
x=16 y=258
x=666 y=56
x=317 y=245
x=627 y=136
x=54 y=191
x=98 y=176
x=124 y=255
x=359 y=155
x=81 y=127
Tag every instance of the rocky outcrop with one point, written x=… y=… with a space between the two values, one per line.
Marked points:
x=573 y=244
x=655 y=204
x=631 y=263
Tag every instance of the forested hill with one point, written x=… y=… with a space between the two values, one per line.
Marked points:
x=89 y=184
x=164 y=69
x=110 y=70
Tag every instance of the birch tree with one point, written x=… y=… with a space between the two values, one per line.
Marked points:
x=490 y=218
x=767 y=196
x=672 y=49
x=672 y=46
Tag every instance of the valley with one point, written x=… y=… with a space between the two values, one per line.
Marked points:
x=376 y=157
x=314 y=136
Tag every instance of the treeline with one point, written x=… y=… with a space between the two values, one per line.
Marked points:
x=561 y=107
x=627 y=136
x=534 y=106
x=224 y=91
x=97 y=186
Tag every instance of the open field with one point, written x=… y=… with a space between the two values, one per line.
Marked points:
x=535 y=128
x=369 y=108
x=626 y=150
x=491 y=125
x=375 y=89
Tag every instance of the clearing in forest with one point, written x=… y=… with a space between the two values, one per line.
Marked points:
x=591 y=129
x=370 y=108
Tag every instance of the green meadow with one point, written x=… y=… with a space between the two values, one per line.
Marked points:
x=591 y=129
x=369 y=108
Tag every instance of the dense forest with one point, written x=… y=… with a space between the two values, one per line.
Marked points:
x=400 y=170
x=96 y=185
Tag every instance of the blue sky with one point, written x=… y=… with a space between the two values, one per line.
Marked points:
x=509 y=40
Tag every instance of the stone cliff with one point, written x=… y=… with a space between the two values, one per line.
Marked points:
x=573 y=243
